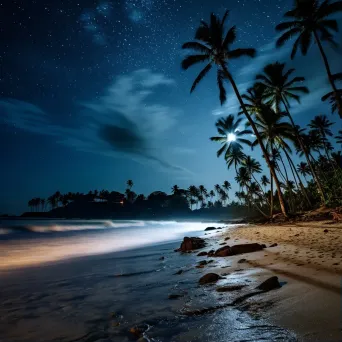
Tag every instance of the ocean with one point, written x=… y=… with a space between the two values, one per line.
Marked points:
x=92 y=281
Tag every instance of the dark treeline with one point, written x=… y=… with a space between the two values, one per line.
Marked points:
x=266 y=106
x=130 y=204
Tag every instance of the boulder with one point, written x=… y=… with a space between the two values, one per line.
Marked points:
x=191 y=243
x=202 y=254
x=223 y=243
x=269 y=284
x=325 y=230
x=209 y=228
x=162 y=258
x=223 y=252
x=227 y=238
x=274 y=245
x=246 y=248
x=179 y=272
x=241 y=261
x=209 y=278
x=238 y=249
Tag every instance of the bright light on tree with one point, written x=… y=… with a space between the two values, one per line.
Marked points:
x=231 y=137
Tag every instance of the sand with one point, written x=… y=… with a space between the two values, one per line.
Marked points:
x=308 y=260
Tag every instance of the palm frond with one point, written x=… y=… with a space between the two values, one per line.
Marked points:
x=192 y=60
x=242 y=52
x=230 y=37
x=196 y=46
x=200 y=76
x=286 y=37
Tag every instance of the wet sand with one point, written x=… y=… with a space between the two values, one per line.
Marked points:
x=308 y=259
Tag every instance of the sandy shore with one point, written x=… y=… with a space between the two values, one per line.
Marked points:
x=308 y=260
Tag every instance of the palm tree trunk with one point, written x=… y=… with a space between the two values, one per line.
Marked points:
x=331 y=79
x=313 y=172
x=293 y=168
x=263 y=149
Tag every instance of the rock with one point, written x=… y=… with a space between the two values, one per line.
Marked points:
x=230 y=288
x=223 y=243
x=178 y=272
x=209 y=278
x=227 y=238
x=200 y=266
x=238 y=249
x=211 y=253
x=219 y=228
x=269 y=284
x=209 y=228
x=139 y=330
x=210 y=261
x=246 y=248
x=274 y=245
x=203 y=262
x=190 y=243
x=175 y=296
x=223 y=252
x=241 y=261
x=202 y=254
x=325 y=230
x=162 y=258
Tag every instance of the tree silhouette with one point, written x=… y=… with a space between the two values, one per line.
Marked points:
x=310 y=19
x=213 y=46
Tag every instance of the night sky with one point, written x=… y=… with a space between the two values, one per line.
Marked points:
x=92 y=93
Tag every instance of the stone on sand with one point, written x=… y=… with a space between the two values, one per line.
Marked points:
x=269 y=284
x=209 y=278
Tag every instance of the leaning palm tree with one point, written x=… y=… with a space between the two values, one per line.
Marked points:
x=279 y=90
x=310 y=20
x=331 y=95
x=226 y=185
x=217 y=188
x=254 y=98
x=230 y=135
x=213 y=46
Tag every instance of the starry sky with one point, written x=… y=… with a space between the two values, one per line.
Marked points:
x=92 y=93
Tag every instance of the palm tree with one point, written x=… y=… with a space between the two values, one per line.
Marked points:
x=230 y=135
x=212 y=195
x=223 y=197
x=252 y=166
x=213 y=46
x=193 y=192
x=264 y=181
x=303 y=169
x=322 y=125
x=310 y=20
x=226 y=185
x=280 y=90
x=130 y=184
x=175 y=190
x=236 y=157
x=254 y=98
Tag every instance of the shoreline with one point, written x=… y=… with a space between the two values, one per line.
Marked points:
x=308 y=258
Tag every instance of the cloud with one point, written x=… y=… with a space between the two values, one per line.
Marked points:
x=125 y=121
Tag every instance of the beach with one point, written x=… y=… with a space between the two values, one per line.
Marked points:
x=152 y=293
